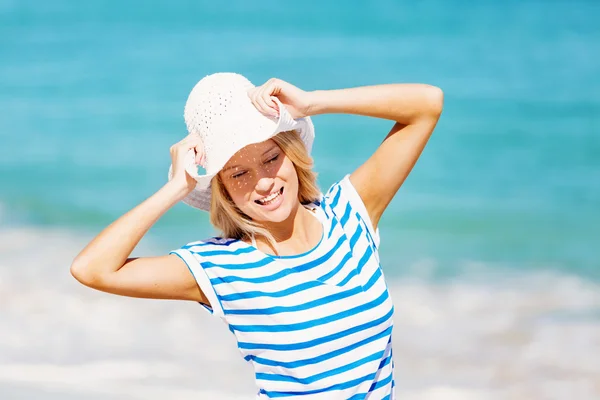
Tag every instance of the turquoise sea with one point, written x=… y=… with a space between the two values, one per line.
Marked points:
x=491 y=248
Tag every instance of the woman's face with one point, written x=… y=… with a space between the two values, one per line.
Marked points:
x=262 y=182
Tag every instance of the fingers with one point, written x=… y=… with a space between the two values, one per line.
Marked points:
x=186 y=144
x=262 y=98
x=266 y=105
x=194 y=143
x=200 y=155
x=180 y=150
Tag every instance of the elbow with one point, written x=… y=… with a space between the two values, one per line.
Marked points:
x=84 y=274
x=435 y=101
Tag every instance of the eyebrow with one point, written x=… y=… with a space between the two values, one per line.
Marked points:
x=236 y=166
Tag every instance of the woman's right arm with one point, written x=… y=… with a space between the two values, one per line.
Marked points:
x=104 y=264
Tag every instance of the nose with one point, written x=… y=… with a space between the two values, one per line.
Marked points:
x=265 y=184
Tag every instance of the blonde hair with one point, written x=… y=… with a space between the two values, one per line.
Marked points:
x=233 y=223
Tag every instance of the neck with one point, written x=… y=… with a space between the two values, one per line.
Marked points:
x=294 y=226
x=294 y=232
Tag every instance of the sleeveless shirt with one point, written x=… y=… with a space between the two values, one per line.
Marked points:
x=317 y=325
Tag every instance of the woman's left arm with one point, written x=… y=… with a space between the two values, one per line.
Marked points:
x=416 y=109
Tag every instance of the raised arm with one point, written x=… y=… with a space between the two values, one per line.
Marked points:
x=416 y=109
x=104 y=264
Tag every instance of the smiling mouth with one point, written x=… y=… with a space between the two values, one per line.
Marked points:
x=269 y=199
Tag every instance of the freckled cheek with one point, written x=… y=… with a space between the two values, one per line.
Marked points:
x=240 y=191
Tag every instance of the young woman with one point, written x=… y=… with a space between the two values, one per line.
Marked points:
x=296 y=273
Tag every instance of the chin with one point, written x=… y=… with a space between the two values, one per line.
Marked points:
x=281 y=215
x=276 y=212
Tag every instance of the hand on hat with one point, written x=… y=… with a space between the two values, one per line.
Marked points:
x=179 y=151
x=294 y=99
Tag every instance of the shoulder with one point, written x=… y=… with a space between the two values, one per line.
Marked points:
x=215 y=246
x=344 y=203
x=342 y=195
x=215 y=241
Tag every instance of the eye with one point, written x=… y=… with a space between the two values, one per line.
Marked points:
x=238 y=174
x=274 y=158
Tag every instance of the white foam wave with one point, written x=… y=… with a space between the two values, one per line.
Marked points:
x=524 y=336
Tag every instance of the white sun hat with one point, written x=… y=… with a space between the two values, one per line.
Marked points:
x=219 y=110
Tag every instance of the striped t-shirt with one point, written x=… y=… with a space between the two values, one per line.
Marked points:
x=317 y=325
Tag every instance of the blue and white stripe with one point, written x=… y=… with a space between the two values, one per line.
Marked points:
x=317 y=325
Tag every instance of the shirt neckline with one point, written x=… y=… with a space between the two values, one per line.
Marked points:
x=314 y=211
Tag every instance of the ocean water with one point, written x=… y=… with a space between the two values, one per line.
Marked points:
x=491 y=247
